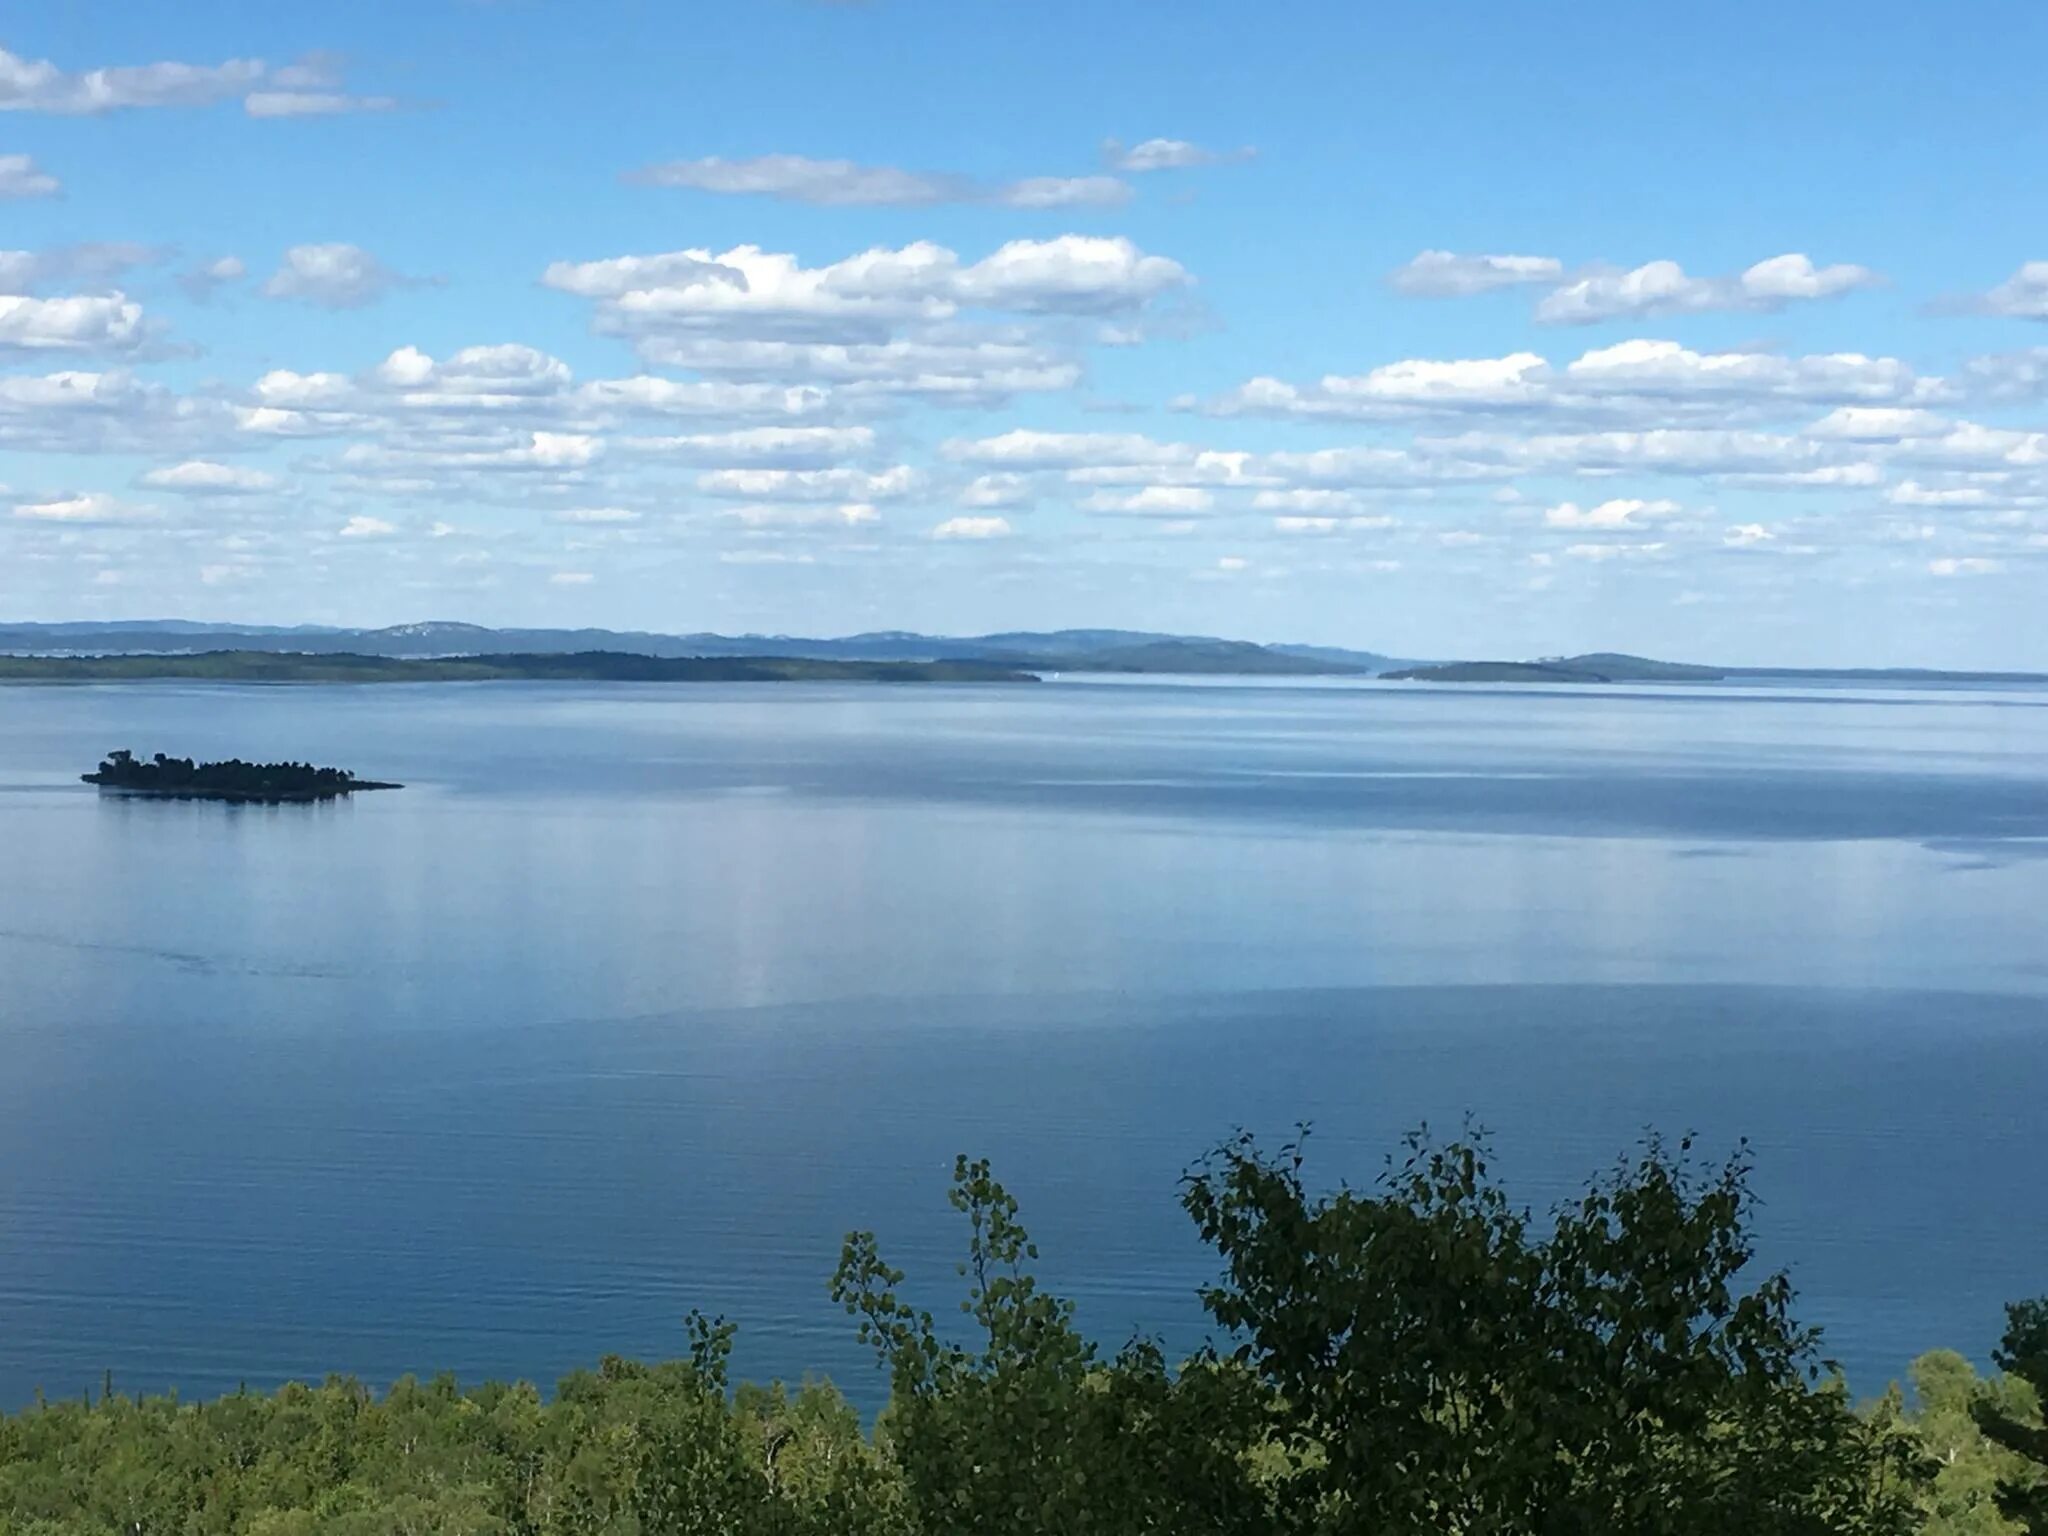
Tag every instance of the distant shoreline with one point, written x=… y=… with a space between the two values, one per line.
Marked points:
x=589 y=666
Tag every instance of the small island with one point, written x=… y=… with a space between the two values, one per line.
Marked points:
x=179 y=778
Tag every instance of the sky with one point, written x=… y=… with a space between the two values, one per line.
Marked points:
x=1450 y=330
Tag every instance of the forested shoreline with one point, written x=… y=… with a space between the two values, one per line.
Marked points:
x=1418 y=1355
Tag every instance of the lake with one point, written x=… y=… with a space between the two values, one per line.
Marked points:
x=639 y=996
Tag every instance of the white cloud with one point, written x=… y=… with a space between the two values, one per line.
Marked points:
x=973 y=528
x=1164 y=155
x=107 y=322
x=334 y=276
x=1153 y=501
x=1640 y=378
x=1879 y=424
x=91 y=507
x=1605 y=552
x=840 y=484
x=572 y=578
x=1055 y=450
x=598 y=516
x=997 y=490
x=89 y=265
x=202 y=280
x=1620 y=513
x=849 y=184
x=1663 y=287
x=1964 y=565
x=1911 y=493
x=1065 y=192
x=313 y=103
x=851 y=514
x=747 y=291
x=1072 y=274
x=2021 y=375
x=798 y=178
x=361 y=527
x=202 y=477
x=792 y=447
x=40 y=86
x=309 y=86
x=2023 y=296
x=1448 y=275
x=1747 y=536
x=19 y=177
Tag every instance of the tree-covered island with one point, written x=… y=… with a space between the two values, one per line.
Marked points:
x=180 y=778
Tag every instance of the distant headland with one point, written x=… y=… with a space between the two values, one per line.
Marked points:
x=1613 y=667
x=179 y=778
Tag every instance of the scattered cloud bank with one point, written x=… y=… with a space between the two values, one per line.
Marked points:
x=307 y=87
x=20 y=177
x=1166 y=155
x=849 y=184
x=1656 y=288
x=332 y=276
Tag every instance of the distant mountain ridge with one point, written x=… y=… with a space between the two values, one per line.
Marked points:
x=1075 y=650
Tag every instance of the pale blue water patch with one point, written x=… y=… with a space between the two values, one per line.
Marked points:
x=639 y=996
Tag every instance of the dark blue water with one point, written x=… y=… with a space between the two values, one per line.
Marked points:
x=639 y=997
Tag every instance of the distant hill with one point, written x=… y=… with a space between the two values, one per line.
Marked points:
x=1614 y=667
x=1071 y=650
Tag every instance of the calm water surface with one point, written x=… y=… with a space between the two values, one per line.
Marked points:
x=640 y=996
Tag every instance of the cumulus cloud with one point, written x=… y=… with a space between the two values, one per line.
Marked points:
x=1964 y=565
x=748 y=291
x=109 y=322
x=997 y=490
x=333 y=276
x=1448 y=275
x=1620 y=513
x=203 y=477
x=2023 y=296
x=204 y=279
x=1664 y=288
x=1165 y=155
x=92 y=507
x=1153 y=501
x=973 y=528
x=19 y=177
x=1641 y=378
x=912 y=322
x=90 y=265
x=837 y=484
x=847 y=184
x=363 y=527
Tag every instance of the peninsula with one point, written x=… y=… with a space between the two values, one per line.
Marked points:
x=179 y=778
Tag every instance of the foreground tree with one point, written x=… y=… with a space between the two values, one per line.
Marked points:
x=2017 y=1425
x=1031 y=1431
x=1441 y=1365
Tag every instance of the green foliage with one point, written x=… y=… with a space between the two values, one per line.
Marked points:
x=1443 y=1365
x=1422 y=1357
x=1964 y=1466
x=2015 y=1423
x=1030 y=1430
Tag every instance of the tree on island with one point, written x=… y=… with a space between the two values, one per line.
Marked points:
x=229 y=780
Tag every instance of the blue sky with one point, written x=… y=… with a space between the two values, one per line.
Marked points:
x=1449 y=330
